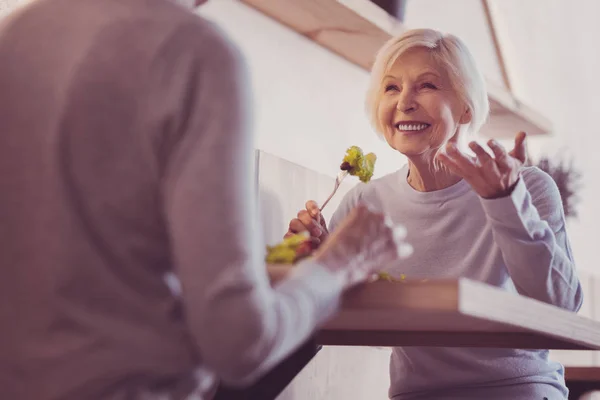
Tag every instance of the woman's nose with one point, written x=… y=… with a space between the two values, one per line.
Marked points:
x=406 y=103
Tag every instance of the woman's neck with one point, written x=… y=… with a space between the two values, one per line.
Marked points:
x=428 y=175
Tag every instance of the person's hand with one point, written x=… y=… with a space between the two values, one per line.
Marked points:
x=309 y=220
x=364 y=243
x=490 y=176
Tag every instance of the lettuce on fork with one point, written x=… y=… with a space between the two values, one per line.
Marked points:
x=298 y=246
x=358 y=164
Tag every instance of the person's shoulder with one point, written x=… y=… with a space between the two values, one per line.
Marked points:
x=196 y=37
x=174 y=17
x=163 y=26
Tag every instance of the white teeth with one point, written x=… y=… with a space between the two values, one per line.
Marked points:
x=412 y=127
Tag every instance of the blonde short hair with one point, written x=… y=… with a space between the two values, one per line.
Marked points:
x=451 y=53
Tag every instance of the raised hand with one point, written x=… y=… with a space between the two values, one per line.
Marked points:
x=490 y=176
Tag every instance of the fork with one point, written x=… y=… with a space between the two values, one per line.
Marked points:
x=340 y=177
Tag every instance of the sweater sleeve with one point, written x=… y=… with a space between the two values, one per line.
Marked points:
x=529 y=227
x=241 y=326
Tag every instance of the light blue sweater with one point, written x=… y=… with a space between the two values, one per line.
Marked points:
x=518 y=243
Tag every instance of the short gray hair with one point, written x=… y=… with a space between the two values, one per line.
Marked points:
x=451 y=53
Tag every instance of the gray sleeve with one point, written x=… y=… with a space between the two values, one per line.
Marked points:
x=529 y=227
x=241 y=326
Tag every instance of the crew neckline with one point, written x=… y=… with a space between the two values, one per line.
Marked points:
x=458 y=189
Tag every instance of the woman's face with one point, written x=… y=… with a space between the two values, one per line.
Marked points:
x=419 y=111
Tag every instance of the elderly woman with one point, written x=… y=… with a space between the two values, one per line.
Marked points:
x=484 y=216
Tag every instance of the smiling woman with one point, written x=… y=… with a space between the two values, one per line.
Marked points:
x=486 y=217
x=452 y=68
x=417 y=107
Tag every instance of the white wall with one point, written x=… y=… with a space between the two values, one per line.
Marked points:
x=6 y=6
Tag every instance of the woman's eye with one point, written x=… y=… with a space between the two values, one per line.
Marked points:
x=428 y=85
x=391 y=87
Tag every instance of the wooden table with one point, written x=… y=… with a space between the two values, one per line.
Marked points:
x=451 y=313
x=446 y=313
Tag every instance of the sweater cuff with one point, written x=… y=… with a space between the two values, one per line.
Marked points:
x=508 y=210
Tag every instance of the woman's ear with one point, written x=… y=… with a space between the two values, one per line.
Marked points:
x=466 y=117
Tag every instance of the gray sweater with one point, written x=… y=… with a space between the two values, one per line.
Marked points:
x=518 y=243
x=126 y=157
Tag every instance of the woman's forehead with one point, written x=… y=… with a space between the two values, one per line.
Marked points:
x=416 y=63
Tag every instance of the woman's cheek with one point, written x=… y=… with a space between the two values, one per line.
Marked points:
x=385 y=110
x=385 y=116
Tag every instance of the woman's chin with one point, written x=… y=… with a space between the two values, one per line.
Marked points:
x=409 y=148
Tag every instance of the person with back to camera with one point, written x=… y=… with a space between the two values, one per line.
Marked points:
x=125 y=159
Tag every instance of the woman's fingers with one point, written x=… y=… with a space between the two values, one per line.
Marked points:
x=520 y=150
x=309 y=220
x=502 y=158
x=464 y=167
x=483 y=157
x=295 y=226
x=310 y=223
x=315 y=212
